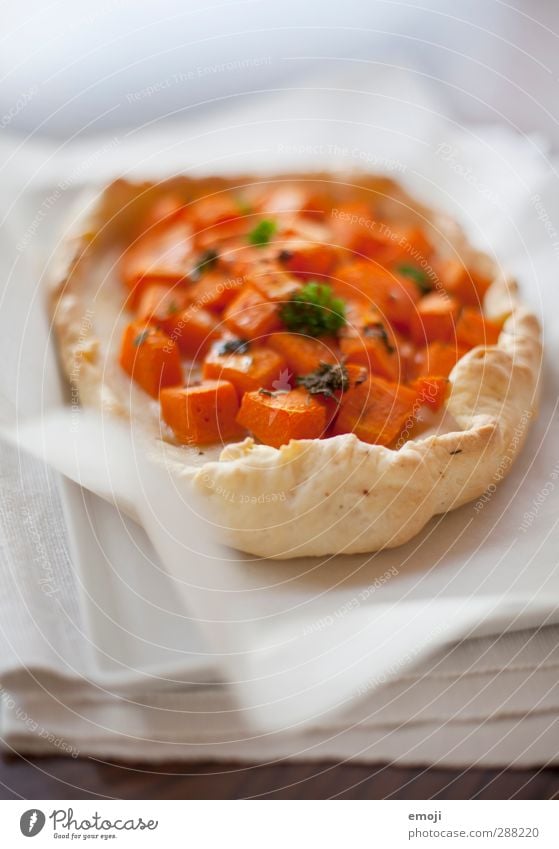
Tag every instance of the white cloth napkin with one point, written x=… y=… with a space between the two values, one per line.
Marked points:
x=490 y=701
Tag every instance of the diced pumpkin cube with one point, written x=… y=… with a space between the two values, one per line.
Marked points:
x=302 y=354
x=354 y=228
x=228 y=233
x=150 y=357
x=202 y=414
x=215 y=290
x=376 y=411
x=274 y=284
x=356 y=374
x=431 y=391
x=159 y=304
x=438 y=359
x=277 y=418
x=164 y=253
x=213 y=209
x=373 y=346
x=414 y=244
x=394 y=296
x=473 y=329
x=251 y=315
x=164 y=209
x=216 y=218
x=308 y=259
x=466 y=285
x=329 y=382
x=372 y=341
x=248 y=370
x=194 y=330
x=435 y=318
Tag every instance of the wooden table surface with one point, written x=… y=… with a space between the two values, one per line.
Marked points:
x=64 y=778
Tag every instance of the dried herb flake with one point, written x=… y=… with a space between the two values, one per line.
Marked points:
x=141 y=338
x=233 y=346
x=325 y=380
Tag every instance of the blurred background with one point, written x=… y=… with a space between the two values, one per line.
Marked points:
x=71 y=67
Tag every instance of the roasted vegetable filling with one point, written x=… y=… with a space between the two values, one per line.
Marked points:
x=297 y=310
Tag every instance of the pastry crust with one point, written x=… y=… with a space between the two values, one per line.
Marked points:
x=311 y=497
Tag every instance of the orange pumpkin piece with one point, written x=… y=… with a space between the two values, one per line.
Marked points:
x=212 y=209
x=216 y=218
x=215 y=290
x=274 y=284
x=354 y=228
x=435 y=319
x=165 y=208
x=303 y=354
x=431 y=391
x=376 y=411
x=159 y=303
x=467 y=285
x=227 y=232
x=276 y=418
x=473 y=329
x=366 y=330
x=193 y=329
x=438 y=359
x=251 y=315
x=394 y=296
x=414 y=244
x=355 y=375
x=150 y=357
x=248 y=370
x=308 y=259
x=164 y=253
x=203 y=413
x=402 y=244
x=373 y=346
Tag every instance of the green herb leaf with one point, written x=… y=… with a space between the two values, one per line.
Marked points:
x=263 y=232
x=417 y=275
x=206 y=261
x=233 y=346
x=172 y=309
x=377 y=330
x=141 y=338
x=325 y=380
x=314 y=311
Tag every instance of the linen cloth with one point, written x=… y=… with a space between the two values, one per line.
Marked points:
x=490 y=701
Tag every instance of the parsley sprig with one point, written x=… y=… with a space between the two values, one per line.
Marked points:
x=262 y=233
x=313 y=310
